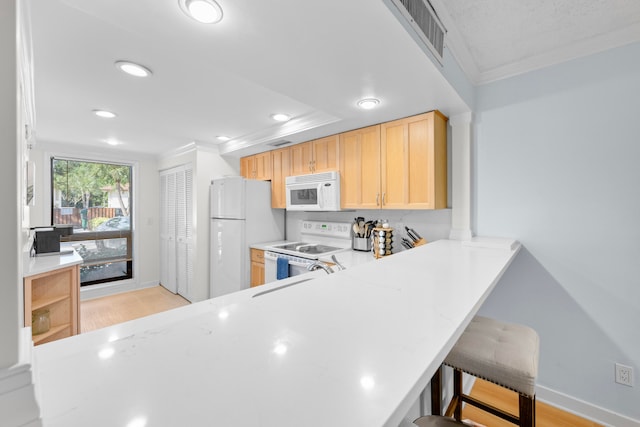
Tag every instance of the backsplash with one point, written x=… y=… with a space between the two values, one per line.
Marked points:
x=430 y=224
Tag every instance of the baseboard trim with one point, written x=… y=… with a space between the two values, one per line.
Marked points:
x=583 y=409
x=114 y=288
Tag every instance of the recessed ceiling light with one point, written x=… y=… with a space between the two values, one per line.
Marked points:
x=281 y=117
x=205 y=11
x=223 y=138
x=113 y=142
x=368 y=103
x=133 y=69
x=104 y=114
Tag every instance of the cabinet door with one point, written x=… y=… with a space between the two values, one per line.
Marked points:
x=257 y=267
x=262 y=164
x=281 y=164
x=325 y=154
x=360 y=168
x=246 y=167
x=413 y=162
x=301 y=159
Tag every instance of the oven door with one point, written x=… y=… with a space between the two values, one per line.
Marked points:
x=297 y=265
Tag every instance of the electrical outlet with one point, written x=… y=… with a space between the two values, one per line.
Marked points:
x=624 y=375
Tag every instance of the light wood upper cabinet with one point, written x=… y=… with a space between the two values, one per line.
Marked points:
x=396 y=165
x=414 y=162
x=315 y=156
x=257 y=166
x=281 y=164
x=360 y=168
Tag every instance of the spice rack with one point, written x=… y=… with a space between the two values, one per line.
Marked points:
x=382 y=241
x=57 y=291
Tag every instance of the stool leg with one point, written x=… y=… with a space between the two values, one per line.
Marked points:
x=457 y=394
x=436 y=392
x=527 y=411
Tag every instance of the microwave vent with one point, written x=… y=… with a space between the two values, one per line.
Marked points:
x=315 y=177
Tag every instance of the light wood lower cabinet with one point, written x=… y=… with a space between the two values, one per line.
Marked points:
x=257 y=267
x=57 y=291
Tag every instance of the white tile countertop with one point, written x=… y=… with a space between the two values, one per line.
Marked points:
x=354 y=348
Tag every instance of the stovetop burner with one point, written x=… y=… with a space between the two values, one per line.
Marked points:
x=307 y=248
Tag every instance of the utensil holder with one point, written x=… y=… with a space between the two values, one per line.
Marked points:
x=382 y=242
x=361 y=244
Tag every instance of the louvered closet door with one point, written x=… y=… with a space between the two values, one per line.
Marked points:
x=168 y=231
x=184 y=231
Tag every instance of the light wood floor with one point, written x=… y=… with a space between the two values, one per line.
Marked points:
x=106 y=311
x=546 y=415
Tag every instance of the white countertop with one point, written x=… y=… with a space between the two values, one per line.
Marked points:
x=354 y=348
x=351 y=258
x=43 y=264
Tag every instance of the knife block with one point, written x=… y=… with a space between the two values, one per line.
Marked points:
x=420 y=242
x=382 y=242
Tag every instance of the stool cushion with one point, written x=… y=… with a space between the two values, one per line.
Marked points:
x=503 y=353
x=437 y=421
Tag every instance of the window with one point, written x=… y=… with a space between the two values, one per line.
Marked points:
x=95 y=198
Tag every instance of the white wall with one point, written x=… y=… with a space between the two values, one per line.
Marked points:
x=146 y=207
x=207 y=164
x=556 y=166
x=10 y=250
x=431 y=225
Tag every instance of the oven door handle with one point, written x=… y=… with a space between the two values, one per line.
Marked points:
x=274 y=256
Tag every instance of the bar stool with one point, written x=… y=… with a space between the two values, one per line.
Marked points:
x=505 y=354
x=437 y=421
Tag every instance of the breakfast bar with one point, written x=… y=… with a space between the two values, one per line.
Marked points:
x=354 y=348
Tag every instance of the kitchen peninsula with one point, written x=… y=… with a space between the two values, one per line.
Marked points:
x=354 y=348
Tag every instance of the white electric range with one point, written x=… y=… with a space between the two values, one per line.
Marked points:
x=319 y=239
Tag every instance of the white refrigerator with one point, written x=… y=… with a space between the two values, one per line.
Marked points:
x=241 y=215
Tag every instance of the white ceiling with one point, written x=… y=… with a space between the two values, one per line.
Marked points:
x=494 y=39
x=312 y=60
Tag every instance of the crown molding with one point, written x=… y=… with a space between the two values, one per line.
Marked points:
x=296 y=125
x=566 y=53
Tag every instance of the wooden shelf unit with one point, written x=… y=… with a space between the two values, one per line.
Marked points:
x=59 y=292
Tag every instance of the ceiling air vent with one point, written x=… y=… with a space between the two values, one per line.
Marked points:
x=279 y=143
x=422 y=18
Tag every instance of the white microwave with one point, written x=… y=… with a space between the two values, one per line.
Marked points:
x=313 y=192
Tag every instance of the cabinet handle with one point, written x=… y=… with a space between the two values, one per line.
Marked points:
x=377 y=199
x=384 y=195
